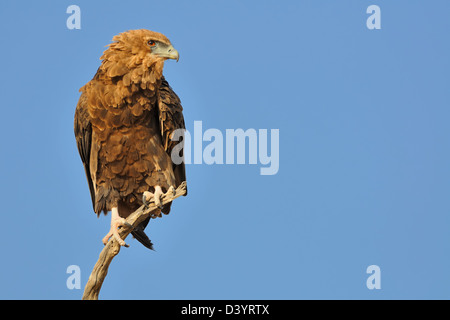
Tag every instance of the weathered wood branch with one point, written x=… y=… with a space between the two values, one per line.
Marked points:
x=112 y=248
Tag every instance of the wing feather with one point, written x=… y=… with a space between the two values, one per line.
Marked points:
x=171 y=118
x=83 y=136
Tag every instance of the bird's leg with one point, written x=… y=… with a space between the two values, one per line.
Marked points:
x=116 y=222
x=157 y=195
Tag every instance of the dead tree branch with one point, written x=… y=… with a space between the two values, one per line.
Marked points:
x=112 y=248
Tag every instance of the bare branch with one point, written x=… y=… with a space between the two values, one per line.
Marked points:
x=112 y=248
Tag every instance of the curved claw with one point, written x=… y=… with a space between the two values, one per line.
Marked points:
x=172 y=191
x=146 y=197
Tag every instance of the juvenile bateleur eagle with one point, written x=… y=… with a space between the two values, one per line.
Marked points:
x=124 y=120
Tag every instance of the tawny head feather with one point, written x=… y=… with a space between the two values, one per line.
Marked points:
x=137 y=56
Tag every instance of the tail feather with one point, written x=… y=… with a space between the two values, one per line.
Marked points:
x=139 y=234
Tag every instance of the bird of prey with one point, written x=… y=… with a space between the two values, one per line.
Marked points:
x=123 y=124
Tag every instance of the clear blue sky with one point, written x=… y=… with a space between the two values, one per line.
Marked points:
x=364 y=175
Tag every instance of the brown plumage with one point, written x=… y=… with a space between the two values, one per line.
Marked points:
x=123 y=123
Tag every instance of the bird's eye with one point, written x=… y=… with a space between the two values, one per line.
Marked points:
x=151 y=43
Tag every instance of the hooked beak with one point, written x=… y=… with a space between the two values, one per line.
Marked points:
x=169 y=53
x=175 y=55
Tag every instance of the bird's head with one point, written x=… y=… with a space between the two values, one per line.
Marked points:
x=138 y=56
x=160 y=46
